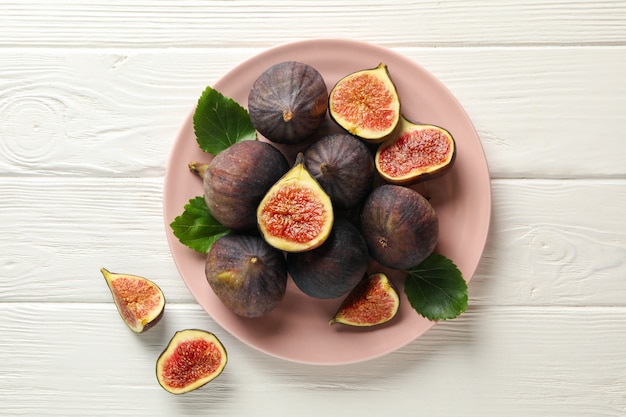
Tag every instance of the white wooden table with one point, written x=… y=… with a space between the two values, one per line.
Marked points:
x=92 y=95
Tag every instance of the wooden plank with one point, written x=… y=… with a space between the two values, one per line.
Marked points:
x=489 y=362
x=116 y=113
x=554 y=243
x=548 y=243
x=247 y=23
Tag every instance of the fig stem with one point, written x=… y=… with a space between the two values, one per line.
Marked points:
x=198 y=168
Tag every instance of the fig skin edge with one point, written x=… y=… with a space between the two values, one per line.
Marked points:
x=143 y=323
x=179 y=338
x=362 y=294
x=347 y=122
x=416 y=175
x=297 y=176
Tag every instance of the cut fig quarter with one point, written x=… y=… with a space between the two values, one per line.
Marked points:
x=191 y=359
x=366 y=104
x=373 y=301
x=296 y=214
x=415 y=152
x=139 y=301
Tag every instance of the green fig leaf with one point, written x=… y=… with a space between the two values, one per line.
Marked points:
x=220 y=121
x=436 y=288
x=196 y=227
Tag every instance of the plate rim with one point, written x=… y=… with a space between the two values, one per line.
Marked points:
x=320 y=42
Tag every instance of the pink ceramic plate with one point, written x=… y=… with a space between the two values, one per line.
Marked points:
x=298 y=329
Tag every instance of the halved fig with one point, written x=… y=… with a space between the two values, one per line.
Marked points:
x=191 y=359
x=139 y=301
x=373 y=301
x=296 y=214
x=366 y=103
x=416 y=152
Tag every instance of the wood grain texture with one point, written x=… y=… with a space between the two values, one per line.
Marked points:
x=548 y=245
x=92 y=95
x=538 y=361
x=245 y=22
x=540 y=112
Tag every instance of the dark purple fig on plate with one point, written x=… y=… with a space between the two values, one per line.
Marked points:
x=343 y=166
x=139 y=300
x=288 y=102
x=400 y=226
x=415 y=152
x=236 y=180
x=191 y=359
x=373 y=301
x=247 y=275
x=296 y=214
x=333 y=269
x=366 y=104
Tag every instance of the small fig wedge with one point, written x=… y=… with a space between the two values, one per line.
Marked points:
x=366 y=103
x=139 y=301
x=417 y=152
x=191 y=359
x=296 y=214
x=373 y=301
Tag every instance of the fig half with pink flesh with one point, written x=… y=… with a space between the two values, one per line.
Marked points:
x=296 y=214
x=366 y=104
x=415 y=153
x=191 y=359
x=139 y=301
x=373 y=301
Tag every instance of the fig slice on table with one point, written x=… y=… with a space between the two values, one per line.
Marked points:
x=296 y=214
x=366 y=104
x=139 y=301
x=416 y=152
x=191 y=359
x=373 y=301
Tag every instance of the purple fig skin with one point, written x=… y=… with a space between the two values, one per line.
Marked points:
x=236 y=181
x=247 y=274
x=400 y=226
x=343 y=166
x=288 y=102
x=333 y=269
